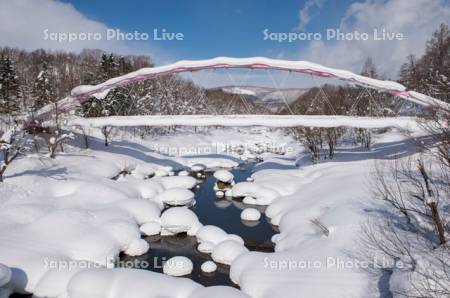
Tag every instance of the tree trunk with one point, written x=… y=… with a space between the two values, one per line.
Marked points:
x=438 y=222
x=2 y=170
x=52 y=150
x=86 y=141
x=105 y=134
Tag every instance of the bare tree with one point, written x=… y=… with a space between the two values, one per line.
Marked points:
x=57 y=138
x=106 y=131
x=332 y=136
x=11 y=146
x=363 y=136
x=415 y=229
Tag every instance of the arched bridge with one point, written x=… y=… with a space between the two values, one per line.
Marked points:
x=85 y=92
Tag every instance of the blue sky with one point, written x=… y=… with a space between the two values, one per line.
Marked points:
x=232 y=28
x=214 y=28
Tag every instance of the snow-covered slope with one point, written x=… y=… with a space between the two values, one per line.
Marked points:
x=68 y=210
x=63 y=221
x=242 y=90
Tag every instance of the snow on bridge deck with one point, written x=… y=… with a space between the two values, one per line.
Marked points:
x=407 y=123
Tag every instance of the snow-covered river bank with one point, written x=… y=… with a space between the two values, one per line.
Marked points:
x=64 y=221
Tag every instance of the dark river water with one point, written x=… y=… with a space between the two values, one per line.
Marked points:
x=224 y=213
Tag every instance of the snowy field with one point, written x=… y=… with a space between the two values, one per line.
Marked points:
x=64 y=221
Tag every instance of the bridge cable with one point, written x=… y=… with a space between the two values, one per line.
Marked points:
x=325 y=96
x=244 y=81
x=201 y=96
x=244 y=101
x=283 y=97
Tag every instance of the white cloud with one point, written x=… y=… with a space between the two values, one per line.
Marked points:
x=304 y=16
x=417 y=20
x=22 y=25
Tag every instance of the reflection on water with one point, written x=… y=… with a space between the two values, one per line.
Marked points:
x=163 y=248
x=224 y=213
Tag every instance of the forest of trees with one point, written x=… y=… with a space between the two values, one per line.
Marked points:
x=31 y=80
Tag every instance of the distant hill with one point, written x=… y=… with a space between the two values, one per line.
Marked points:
x=272 y=98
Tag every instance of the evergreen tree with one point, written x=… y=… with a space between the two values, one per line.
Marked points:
x=108 y=68
x=9 y=87
x=410 y=74
x=437 y=63
x=431 y=73
x=97 y=106
x=42 y=88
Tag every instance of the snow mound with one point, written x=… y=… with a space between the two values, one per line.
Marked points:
x=141 y=211
x=249 y=200
x=198 y=168
x=178 y=220
x=150 y=228
x=227 y=251
x=143 y=171
x=176 y=197
x=137 y=247
x=121 y=282
x=250 y=214
x=209 y=266
x=178 y=266
x=218 y=292
x=205 y=247
x=148 y=189
x=215 y=235
x=5 y=275
x=224 y=176
x=262 y=194
x=176 y=182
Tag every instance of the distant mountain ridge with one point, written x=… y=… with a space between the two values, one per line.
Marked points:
x=272 y=98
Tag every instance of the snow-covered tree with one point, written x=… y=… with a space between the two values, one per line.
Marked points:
x=56 y=137
x=9 y=87
x=414 y=232
x=411 y=74
x=42 y=88
x=116 y=101
x=431 y=73
x=437 y=63
x=10 y=148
